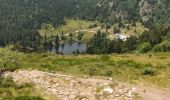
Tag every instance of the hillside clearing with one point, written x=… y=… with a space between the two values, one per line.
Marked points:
x=70 y=26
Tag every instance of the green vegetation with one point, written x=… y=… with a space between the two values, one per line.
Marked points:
x=73 y=30
x=28 y=17
x=125 y=67
x=23 y=98
x=149 y=71
x=144 y=68
x=37 y=25
x=9 y=90
x=143 y=43
x=144 y=47
x=98 y=44
x=162 y=47
x=128 y=29
x=70 y=26
x=134 y=30
x=9 y=60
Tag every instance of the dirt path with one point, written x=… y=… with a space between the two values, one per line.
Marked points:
x=65 y=87
x=152 y=93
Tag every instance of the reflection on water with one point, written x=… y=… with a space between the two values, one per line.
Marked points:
x=70 y=48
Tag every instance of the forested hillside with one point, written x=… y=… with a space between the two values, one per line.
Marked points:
x=30 y=14
x=20 y=19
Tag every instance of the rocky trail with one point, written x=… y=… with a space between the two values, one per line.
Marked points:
x=65 y=87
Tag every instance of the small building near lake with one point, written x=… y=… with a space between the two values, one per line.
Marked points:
x=121 y=36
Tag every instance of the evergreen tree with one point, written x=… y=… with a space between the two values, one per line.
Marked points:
x=50 y=45
x=57 y=43
x=45 y=44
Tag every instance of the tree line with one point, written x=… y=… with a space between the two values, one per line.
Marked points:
x=20 y=19
x=157 y=39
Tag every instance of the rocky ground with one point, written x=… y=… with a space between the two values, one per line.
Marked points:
x=65 y=87
x=71 y=88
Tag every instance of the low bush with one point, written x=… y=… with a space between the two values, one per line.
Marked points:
x=157 y=48
x=6 y=82
x=9 y=90
x=149 y=72
x=92 y=71
x=9 y=60
x=162 y=47
x=109 y=73
x=93 y=26
x=165 y=46
x=144 y=47
x=167 y=37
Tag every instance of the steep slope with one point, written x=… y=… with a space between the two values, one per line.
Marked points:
x=155 y=11
x=22 y=17
x=24 y=14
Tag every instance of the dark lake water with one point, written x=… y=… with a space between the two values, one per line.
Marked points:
x=69 y=48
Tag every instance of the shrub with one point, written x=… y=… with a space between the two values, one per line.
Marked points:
x=6 y=82
x=164 y=47
x=157 y=48
x=9 y=90
x=129 y=63
x=168 y=36
x=149 y=72
x=92 y=71
x=144 y=47
x=108 y=26
x=108 y=73
x=93 y=26
x=9 y=60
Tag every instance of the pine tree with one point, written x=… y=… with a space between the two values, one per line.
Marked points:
x=45 y=44
x=57 y=43
x=50 y=45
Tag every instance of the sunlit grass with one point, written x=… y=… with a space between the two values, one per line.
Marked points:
x=134 y=30
x=73 y=25
x=70 y=26
x=149 y=68
x=122 y=67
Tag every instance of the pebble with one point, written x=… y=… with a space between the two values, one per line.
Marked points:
x=110 y=79
x=133 y=90
x=117 y=95
x=108 y=89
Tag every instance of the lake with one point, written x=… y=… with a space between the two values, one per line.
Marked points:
x=69 y=48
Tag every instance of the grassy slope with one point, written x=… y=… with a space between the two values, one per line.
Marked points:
x=139 y=29
x=125 y=67
x=131 y=31
x=71 y=26
x=122 y=67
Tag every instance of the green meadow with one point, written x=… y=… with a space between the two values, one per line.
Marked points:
x=149 y=68
x=70 y=26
